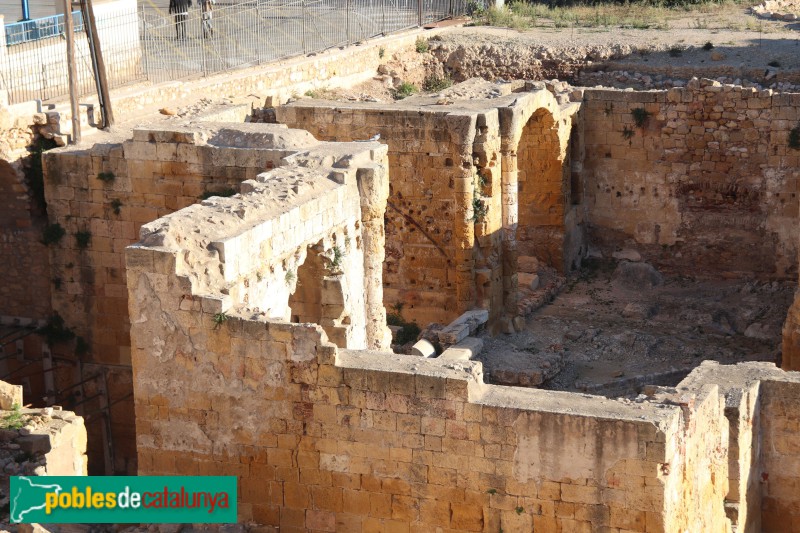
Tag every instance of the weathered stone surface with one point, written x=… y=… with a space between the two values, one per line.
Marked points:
x=636 y=276
x=627 y=255
x=10 y=396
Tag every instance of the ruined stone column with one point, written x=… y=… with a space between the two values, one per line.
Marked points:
x=373 y=187
x=510 y=202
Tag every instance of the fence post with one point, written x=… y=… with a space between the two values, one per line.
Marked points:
x=303 y=27
x=383 y=17
x=419 y=12
x=348 y=22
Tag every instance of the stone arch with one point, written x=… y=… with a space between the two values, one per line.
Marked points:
x=543 y=183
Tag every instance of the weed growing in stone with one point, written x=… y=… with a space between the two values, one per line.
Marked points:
x=421 y=45
x=116 y=204
x=106 y=177
x=381 y=52
x=219 y=319
x=708 y=46
x=409 y=330
x=675 y=51
x=519 y=510
x=52 y=234
x=479 y=209
x=82 y=239
x=434 y=84
x=794 y=138
x=491 y=491
x=640 y=116
x=321 y=93
x=55 y=331
x=627 y=133
x=289 y=277
x=336 y=261
x=81 y=346
x=405 y=90
x=14 y=419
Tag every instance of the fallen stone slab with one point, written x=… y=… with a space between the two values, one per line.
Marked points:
x=464 y=350
x=463 y=326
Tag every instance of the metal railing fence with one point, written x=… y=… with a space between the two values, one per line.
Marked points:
x=255 y=32
x=41 y=28
x=38 y=68
x=151 y=44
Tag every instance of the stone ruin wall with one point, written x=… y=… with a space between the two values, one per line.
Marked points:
x=47 y=442
x=780 y=475
x=708 y=185
x=325 y=438
x=155 y=176
x=442 y=257
x=429 y=232
x=152 y=177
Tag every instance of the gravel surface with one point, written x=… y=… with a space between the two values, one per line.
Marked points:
x=606 y=326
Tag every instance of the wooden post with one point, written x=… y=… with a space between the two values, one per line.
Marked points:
x=72 y=71
x=97 y=63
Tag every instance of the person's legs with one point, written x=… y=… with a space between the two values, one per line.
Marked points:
x=182 y=25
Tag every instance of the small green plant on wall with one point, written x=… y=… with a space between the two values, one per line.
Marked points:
x=82 y=239
x=794 y=138
x=640 y=116
x=106 y=177
x=55 y=331
x=14 y=419
x=480 y=208
x=116 y=205
x=627 y=133
x=219 y=319
x=52 y=234
x=337 y=254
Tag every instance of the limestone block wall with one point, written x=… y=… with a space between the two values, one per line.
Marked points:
x=708 y=181
x=151 y=175
x=742 y=387
x=430 y=226
x=327 y=439
x=25 y=286
x=780 y=468
x=470 y=183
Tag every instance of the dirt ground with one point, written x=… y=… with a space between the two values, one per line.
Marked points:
x=610 y=326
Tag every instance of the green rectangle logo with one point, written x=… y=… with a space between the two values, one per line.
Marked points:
x=123 y=499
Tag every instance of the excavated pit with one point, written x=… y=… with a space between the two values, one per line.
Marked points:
x=593 y=331
x=605 y=334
